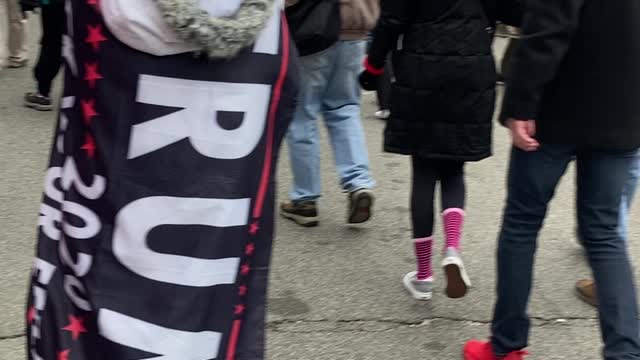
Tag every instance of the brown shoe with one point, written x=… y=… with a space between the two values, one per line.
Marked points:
x=586 y=290
x=360 y=206
x=303 y=213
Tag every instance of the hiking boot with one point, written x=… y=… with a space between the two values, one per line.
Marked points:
x=419 y=289
x=360 y=204
x=586 y=291
x=38 y=102
x=482 y=350
x=303 y=213
x=458 y=281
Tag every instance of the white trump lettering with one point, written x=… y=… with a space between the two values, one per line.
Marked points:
x=201 y=101
x=135 y=221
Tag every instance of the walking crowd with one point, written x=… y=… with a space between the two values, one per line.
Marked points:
x=571 y=94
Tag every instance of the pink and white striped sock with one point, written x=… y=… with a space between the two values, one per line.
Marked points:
x=423 y=256
x=453 y=220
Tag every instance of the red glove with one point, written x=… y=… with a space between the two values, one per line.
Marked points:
x=370 y=76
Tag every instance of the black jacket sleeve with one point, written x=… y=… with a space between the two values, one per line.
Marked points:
x=547 y=31
x=394 y=17
x=509 y=12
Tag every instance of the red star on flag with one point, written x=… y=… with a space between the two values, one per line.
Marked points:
x=94 y=36
x=88 y=110
x=239 y=309
x=31 y=314
x=249 y=249
x=64 y=355
x=242 y=290
x=89 y=146
x=244 y=269
x=254 y=227
x=91 y=74
x=75 y=327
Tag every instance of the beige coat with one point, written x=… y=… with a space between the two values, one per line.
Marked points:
x=358 y=17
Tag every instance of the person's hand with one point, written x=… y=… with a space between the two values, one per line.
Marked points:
x=523 y=134
x=368 y=81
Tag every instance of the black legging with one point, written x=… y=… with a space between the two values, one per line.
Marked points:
x=425 y=175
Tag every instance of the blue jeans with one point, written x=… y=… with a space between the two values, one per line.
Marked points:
x=533 y=177
x=329 y=87
x=628 y=193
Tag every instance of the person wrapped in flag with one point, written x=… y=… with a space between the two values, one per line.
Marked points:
x=156 y=225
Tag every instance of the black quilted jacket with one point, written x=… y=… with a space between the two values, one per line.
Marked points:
x=444 y=93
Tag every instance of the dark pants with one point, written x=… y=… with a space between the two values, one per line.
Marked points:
x=533 y=178
x=50 y=59
x=426 y=174
x=384 y=87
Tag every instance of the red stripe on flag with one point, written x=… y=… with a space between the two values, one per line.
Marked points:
x=233 y=339
x=275 y=101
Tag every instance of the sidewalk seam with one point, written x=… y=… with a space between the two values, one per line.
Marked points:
x=341 y=325
x=11 y=337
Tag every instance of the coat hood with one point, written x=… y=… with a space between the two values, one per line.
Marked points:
x=219 y=29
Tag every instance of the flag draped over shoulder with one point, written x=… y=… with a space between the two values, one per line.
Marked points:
x=156 y=225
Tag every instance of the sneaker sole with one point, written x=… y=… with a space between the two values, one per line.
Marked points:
x=300 y=220
x=456 y=288
x=38 y=107
x=361 y=212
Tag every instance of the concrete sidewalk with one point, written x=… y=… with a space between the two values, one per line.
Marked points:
x=336 y=290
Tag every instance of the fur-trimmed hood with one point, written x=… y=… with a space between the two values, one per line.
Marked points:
x=220 y=29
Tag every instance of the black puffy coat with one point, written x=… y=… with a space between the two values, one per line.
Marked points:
x=444 y=94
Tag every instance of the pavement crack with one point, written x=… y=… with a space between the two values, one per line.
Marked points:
x=372 y=325
x=12 y=337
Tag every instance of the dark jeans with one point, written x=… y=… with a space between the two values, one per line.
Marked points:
x=533 y=178
x=50 y=59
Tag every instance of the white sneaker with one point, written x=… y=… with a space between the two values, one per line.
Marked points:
x=419 y=289
x=458 y=282
x=16 y=63
x=382 y=114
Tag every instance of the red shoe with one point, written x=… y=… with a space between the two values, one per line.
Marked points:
x=482 y=350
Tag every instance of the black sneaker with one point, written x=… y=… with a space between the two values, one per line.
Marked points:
x=360 y=206
x=303 y=213
x=38 y=102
